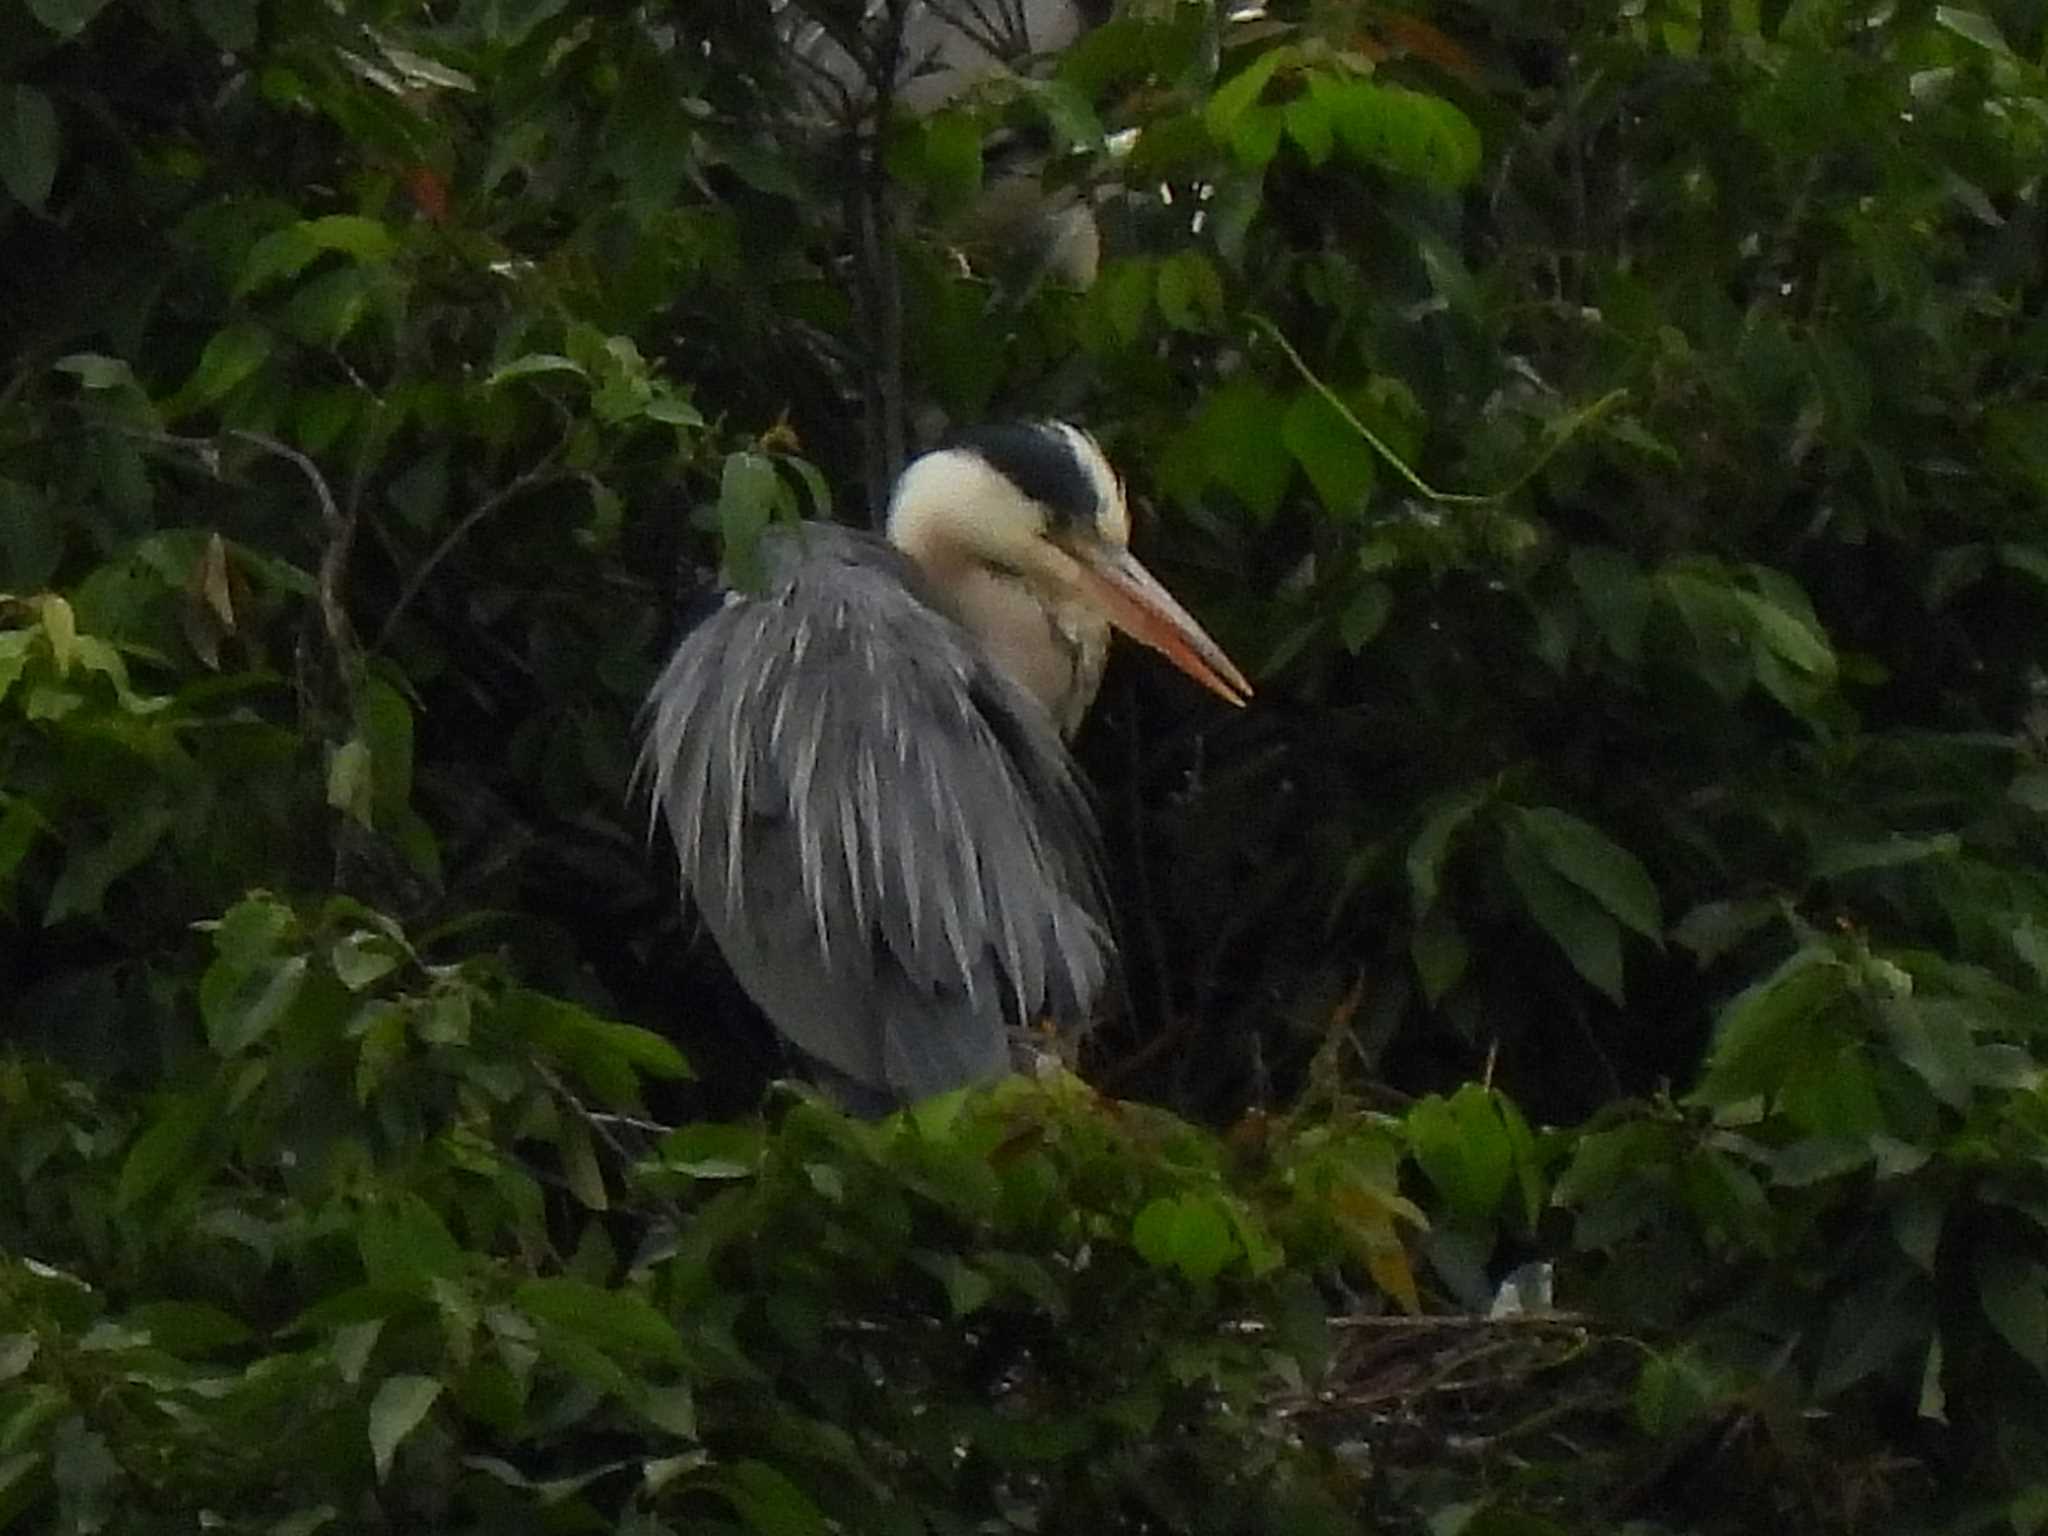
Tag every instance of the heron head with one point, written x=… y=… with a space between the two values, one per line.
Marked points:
x=1038 y=502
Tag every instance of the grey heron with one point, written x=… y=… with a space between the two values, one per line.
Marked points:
x=863 y=768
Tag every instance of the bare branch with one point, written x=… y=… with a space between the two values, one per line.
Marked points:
x=341 y=532
x=543 y=473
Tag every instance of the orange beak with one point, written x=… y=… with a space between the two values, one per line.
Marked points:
x=1132 y=599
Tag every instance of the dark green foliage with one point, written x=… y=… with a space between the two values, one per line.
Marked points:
x=1612 y=440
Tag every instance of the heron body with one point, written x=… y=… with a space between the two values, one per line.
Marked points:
x=863 y=769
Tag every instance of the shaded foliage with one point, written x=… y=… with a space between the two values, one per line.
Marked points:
x=1612 y=439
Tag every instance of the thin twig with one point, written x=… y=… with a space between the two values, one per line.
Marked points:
x=1560 y=434
x=341 y=532
x=880 y=281
x=540 y=474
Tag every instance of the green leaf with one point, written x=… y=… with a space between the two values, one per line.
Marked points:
x=405 y=1246
x=29 y=144
x=95 y=371
x=619 y=1323
x=362 y=958
x=67 y=18
x=1604 y=870
x=230 y=23
x=1578 y=925
x=950 y=164
x=384 y=725
x=967 y=1288
x=188 y=1329
x=1068 y=112
x=82 y=886
x=1616 y=594
x=1972 y=26
x=748 y=492
x=1439 y=953
x=712 y=1150
x=1406 y=132
x=250 y=931
x=234 y=353
x=1770 y=1028
x=603 y=1053
x=673 y=410
x=1185 y=1232
x=1816 y=1159
x=1239 y=433
x=1711 y=929
x=164 y=1149
x=1789 y=637
x=769 y=1502
x=395 y=1412
x=1190 y=294
x=1365 y=616
x=1462 y=1144
x=351 y=781
x=1339 y=462
x=327 y=308
x=531 y=363
x=240 y=1008
x=1308 y=124
x=1432 y=844
x=672 y=1409
x=1255 y=138
x=2014 y=1295
x=1672 y=1394
x=1124 y=291
x=1854 y=858
x=288 y=251
x=1236 y=96
x=1934 y=1039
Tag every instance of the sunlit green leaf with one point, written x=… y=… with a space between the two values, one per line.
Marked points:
x=1308 y=124
x=1185 y=1232
x=1236 y=95
x=233 y=354
x=1462 y=1144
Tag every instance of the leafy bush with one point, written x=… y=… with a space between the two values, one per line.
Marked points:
x=1612 y=441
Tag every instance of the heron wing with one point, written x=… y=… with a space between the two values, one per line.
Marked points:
x=885 y=834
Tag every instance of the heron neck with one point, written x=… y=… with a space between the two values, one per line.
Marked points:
x=1051 y=649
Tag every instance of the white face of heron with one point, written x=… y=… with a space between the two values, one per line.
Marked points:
x=1008 y=506
x=1025 y=531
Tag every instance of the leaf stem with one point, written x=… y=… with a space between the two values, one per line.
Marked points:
x=1560 y=433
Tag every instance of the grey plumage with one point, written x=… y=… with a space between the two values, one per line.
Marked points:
x=862 y=768
x=884 y=833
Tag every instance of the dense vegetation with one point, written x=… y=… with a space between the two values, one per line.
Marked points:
x=1615 y=439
